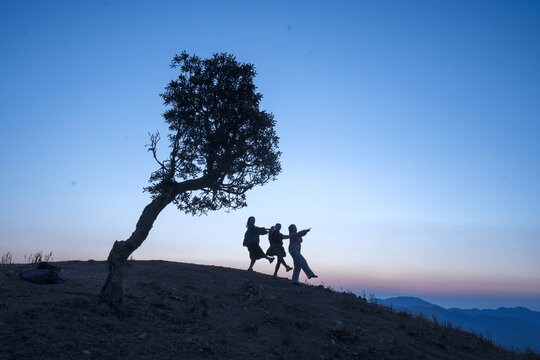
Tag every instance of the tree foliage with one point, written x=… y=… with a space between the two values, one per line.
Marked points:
x=217 y=133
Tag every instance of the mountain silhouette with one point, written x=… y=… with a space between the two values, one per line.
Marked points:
x=516 y=327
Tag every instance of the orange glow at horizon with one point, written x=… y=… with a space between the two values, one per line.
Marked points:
x=435 y=284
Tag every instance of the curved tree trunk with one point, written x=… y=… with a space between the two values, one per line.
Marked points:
x=111 y=293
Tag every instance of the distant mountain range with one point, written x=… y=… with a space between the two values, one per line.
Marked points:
x=516 y=327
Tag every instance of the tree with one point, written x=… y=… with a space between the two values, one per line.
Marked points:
x=221 y=146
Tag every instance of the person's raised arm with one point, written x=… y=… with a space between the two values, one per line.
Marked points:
x=303 y=232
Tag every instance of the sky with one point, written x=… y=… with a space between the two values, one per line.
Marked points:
x=410 y=134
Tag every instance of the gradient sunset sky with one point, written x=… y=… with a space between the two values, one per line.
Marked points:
x=410 y=134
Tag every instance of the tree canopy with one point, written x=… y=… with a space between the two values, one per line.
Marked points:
x=217 y=133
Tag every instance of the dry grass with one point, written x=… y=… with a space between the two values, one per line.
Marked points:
x=7 y=259
x=38 y=257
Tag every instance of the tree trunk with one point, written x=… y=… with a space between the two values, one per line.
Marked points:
x=111 y=293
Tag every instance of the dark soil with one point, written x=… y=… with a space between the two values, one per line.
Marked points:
x=186 y=311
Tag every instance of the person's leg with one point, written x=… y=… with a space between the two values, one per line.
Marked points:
x=251 y=265
x=252 y=256
x=287 y=267
x=277 y=265
x=296 y=271
x=282 y=261
x=302 y=264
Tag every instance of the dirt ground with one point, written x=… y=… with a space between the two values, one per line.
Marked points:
x=186 y=311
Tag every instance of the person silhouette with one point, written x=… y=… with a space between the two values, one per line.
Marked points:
x=276 y=247
x=251 y=241
x=295 y=241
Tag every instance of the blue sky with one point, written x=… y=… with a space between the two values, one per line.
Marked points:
x=410 y=134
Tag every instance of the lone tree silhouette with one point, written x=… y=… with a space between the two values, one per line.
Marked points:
x=221 y=146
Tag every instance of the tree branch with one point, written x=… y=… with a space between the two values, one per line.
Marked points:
x=190 y=185
x=174 y=155
x=154 y=139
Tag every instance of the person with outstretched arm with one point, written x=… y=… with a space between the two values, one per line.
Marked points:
x=251 y=240
x=276 y=247
x=295 y=241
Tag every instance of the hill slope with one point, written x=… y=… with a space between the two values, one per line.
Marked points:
x=176 y=310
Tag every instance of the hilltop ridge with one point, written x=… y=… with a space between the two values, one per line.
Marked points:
x=178 y=310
